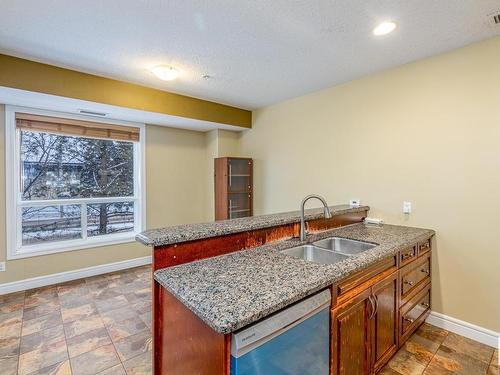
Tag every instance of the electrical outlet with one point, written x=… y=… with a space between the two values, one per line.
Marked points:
x=355 y=202
x=407 y=207
x=2 y=266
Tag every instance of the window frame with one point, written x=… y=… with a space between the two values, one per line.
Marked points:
x=14 y=203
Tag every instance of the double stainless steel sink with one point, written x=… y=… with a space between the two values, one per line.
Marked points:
x=328 y=251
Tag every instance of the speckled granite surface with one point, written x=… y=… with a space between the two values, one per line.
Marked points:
x=231 y=291
x=190 y=232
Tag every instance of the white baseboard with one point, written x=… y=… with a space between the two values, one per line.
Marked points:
x=56 y=278
x=465 y=329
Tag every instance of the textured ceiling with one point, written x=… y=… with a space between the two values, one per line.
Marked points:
x=258 y=52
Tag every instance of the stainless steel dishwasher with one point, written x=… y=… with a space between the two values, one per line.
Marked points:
x=294 y=341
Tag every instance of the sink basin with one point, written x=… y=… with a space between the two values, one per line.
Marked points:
x=344 y=245
x=314 y=254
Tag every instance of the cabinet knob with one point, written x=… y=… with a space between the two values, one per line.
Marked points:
x=407 y=256
x=410 y=283
x=425 y=271
x=425 y=304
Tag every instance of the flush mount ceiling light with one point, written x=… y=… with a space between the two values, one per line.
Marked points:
x=165 y=73
x=384 y=28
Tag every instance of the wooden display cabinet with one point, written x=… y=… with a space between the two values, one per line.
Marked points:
x=233 y=188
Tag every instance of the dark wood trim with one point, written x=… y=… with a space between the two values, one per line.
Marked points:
x=365 y=278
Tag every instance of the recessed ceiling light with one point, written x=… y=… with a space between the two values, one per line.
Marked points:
x=384 y=28
x=165 y=73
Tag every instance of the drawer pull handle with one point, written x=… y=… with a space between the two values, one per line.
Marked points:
x=425 y=271
x=407 y=256
x=409 y=320
x=410 y=283
x=424 y=246
x=425 y=304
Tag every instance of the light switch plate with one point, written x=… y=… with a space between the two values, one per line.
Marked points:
x=355 y=202
x=407 y=207
x=2 y=266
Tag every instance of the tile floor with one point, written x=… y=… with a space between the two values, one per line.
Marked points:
x=102 y=325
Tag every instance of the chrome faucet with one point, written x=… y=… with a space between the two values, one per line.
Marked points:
x=326 y=213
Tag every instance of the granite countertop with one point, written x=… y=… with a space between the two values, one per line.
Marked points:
x=231 y=291
x=191 y=232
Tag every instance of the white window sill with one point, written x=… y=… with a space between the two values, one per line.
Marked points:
x=70 y=245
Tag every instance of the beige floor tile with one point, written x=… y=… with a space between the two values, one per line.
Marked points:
x=8 y=365
x=140 y=365
x=469 y=347
x=495 y=360
x=9 y=347
x=12 y=306
x=12 y=297
x=116 y=315
x=406 y=363
x=46 y=355
x=60 y=368
x=115 y=370
x=43 y=338
x=493 y=370
x=447 y=359
x=70 y=314
x=10 y=329
x=95 y=361
x=111 y=303
x=134 y=345
x=125 y=328
x=88 y=341
x=37 y=311
x=82 y=326
x=147 y=318
x=41 y=323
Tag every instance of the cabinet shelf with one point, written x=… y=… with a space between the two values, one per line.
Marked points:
x=233 y=187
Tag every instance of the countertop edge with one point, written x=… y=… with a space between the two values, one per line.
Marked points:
x=233 y=326
x=198 y=231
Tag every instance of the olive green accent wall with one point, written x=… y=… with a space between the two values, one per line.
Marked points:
x=33 y=76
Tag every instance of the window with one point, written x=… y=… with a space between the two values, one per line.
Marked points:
x=71 y=183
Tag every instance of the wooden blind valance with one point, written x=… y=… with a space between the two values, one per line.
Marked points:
x=77 y=128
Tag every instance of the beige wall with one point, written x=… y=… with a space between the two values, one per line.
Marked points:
x=427 y=132
x=176 y=194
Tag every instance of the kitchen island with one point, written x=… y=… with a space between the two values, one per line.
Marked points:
x=215 y=278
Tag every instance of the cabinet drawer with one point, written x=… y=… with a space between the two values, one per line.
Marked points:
x=415 y=308
x=415 y=274
x=424 y=247
x=407 y=255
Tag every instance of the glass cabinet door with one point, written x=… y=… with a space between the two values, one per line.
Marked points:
x=239 y=205
x=239 y=175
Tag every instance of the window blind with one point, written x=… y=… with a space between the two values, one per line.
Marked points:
x=79 y=128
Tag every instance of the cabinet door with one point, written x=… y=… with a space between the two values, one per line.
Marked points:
x=384 y=322
x=239 y=173
x=351 y=336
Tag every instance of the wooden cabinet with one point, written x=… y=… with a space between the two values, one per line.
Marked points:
x=233 y=188
x=364 y=333
x=350 y=352
x=378 y=309
x=384 y=340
